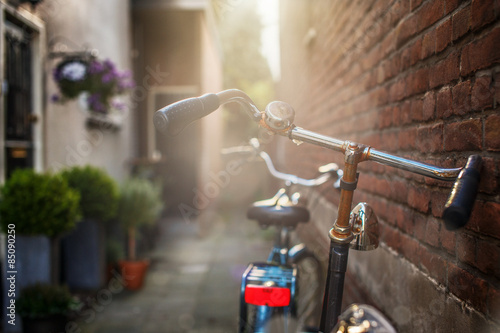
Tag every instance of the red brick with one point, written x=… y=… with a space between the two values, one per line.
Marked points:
x=488 y=257
x=431 y=12
x=482 y=93
x=405 y=59
x=406 y=29
x=448 y=240
x=432 y=232
x=434 y=264
x=415 y=52
x=461 y=23
x=404 y=219
x=443 y=35
x=418 y=82
x=405 y=115
x=445 y=71
x=438 y=199
x=390 y=236
x=416 y=109
x=481 y=53
x=466 y=248
x=459 y=280
x=484 y=218
x=444 y=103
x=468 y=287
x=399 y=190
x=389 y=141
x=496 y=87
x=385 y=117
x=429 y=44
x=461 y=98
x=429 y=106
x=420 y=226
x=482 y=13
x=489 y=183
x=430 y=138
x=398 y=11
x=407 y=138
x=410 y=249
x=414 y=4
x=418 y=199
x=494 y=303
x=463 y=136
x=492 y=133
x=451 y=5
x=397 y=90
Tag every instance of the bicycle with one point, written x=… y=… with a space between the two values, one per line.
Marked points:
x=285 y=291
x=348 y=230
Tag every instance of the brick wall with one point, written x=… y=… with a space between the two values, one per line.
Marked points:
x=420 y=79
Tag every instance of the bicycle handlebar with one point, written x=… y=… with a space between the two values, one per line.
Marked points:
x=173 y=118
x=278 y=118
x=459 y=205
x=326 y=171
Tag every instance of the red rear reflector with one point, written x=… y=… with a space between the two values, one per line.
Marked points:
x=270 y=296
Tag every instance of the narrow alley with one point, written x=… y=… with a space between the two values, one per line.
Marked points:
x=192 y=285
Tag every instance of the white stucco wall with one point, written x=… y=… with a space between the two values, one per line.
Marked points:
x=77 y=25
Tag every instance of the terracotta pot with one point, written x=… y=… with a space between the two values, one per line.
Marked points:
x=133 y=273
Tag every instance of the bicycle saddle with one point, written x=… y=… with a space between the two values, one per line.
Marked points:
x=278 y=210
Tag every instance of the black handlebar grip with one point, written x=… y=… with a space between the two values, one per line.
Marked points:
x=459 y=205
x=173 y=118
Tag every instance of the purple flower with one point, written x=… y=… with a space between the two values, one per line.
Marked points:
x=56 y=74
x=108 y=77
x=95 y=103
x=120 y=106
x=95 y=67
x=55 y=98
x=109 y=64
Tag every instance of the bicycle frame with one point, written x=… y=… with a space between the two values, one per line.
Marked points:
x=278 y=118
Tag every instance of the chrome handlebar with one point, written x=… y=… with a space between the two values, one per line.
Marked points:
x=278 y=118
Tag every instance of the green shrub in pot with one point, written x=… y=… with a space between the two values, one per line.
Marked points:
x=83 y=261
x=38 y=204
x=140 y=204
x=46 y=307
x=98 y=191
x=42 y=300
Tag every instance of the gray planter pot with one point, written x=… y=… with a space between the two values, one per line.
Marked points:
x=83 y=256
x=32 y=265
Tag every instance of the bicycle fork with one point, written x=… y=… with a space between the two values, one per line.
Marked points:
x=341 y=236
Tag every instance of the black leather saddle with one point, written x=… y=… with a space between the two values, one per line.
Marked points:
x=278 y=211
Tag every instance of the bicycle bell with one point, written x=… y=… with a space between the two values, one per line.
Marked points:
x=279 y=115
x=364 y=225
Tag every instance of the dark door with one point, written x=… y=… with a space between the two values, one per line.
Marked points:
x=17 y=89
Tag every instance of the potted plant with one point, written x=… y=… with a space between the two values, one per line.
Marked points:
x=99 y=82
x=37 y=208
x=45 y=308
x=114 y=254
x=83 y=248
x=140 y=204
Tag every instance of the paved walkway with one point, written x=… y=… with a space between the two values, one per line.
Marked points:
x=192 y=285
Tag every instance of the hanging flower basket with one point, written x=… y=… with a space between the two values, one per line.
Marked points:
x=101 y=82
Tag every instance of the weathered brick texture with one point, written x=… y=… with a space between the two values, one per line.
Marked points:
x=420 y=79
